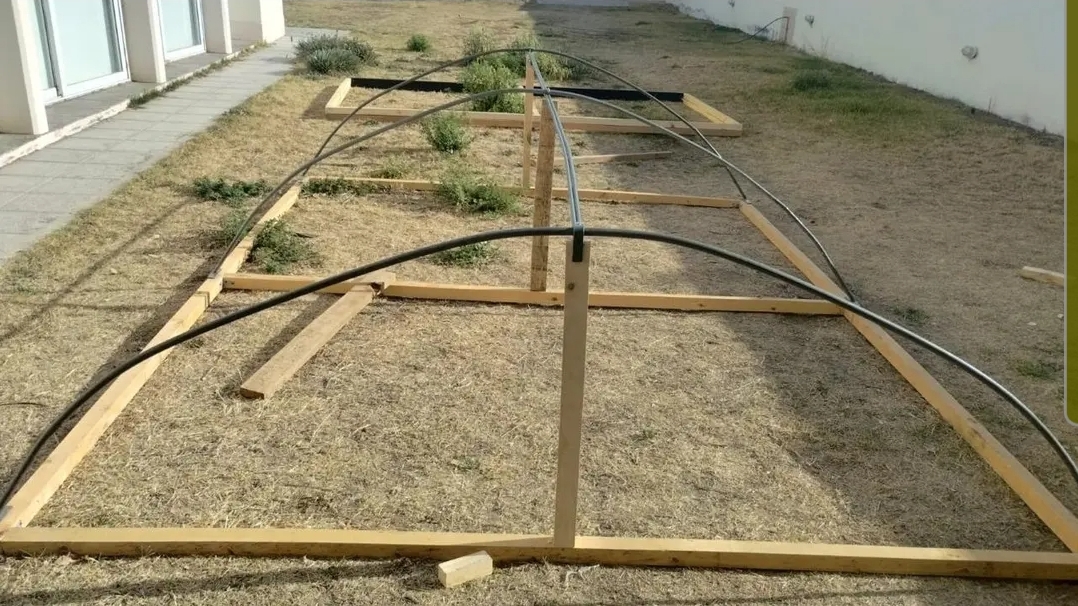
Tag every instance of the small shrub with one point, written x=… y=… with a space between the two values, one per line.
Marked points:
x=482 y=76
x=332 y=61
x=446 y=132
x=470 y=193
x=394 y=168
x=232 y=194
x=469 y=255
x=276 y=247
x=363 y=52
x=418 y=43
x=478 y=41
x=553 y=67
x=335 y=186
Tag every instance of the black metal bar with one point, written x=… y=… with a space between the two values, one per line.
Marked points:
x=433 y=86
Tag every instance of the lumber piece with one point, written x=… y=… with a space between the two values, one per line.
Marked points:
x=286 y=362
x=1040 y=500
x=544 y=186
x=524 y=296
x=628 y=157
x=573 y=357
x=526 y=147
x=706 y=110
x=279 y=283
x=591 y=124
x=465 y=568
x=338 y=95
x=1042 y=275
x=506 y=548
x=50 y=475
x=588 y=195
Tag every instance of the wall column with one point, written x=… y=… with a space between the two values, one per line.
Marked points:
x=215 y=20
x=22 y=103
x=257 y=20
x=145 y=47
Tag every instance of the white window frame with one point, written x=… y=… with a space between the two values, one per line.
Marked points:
x=190 y=51
x=62 y=91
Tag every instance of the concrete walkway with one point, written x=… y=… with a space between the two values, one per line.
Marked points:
x=42 y=191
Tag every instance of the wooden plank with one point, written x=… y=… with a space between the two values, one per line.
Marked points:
x=706 y=110
x=1042 y=275
x=552 y=298
x=286 y=362
x=1039 y=499
x=544 y=185
x=590 y=124
x=632 y=157
x=573 y=357
x=466 y=568
x=509 y=548
x=279 y=283
x=50 y=475
x=338 y=95
x=526 y=148
x=587 y=195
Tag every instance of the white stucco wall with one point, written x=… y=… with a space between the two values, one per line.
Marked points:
x=1018 y=73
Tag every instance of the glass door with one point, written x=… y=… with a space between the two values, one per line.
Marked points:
x=85 y=43
x=181 y=28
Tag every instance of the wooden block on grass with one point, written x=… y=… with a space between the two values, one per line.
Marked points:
x=464 y=569
x=304 y=345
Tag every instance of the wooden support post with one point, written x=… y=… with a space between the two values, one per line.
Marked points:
x=526 y=153
x=544 y=187
x=573 y=356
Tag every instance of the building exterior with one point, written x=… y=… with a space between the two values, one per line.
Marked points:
x=1005 y=57
x=53 y=50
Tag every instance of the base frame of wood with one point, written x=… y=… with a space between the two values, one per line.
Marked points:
x=18 y=537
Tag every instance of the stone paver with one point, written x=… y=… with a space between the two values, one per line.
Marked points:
x=42 y=191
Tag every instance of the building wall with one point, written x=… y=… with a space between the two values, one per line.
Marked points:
x=1018 y=72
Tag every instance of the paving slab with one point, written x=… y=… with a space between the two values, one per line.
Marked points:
x=40 y=192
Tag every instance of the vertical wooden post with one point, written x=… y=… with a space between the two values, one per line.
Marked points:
x=529 y=82
x=573 y=355
x=544 y=187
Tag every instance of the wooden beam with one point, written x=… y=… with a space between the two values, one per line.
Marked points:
x=50 y=475
x=278 y=283
x=589 y=124
x=338 y=95
x=526 y=148
x=706 y=110
x=574 y=347
x=1039 y=499
x=466 y=568
x=587 y=195
x=631 y=157
x=508 y=548
x=550 y=298
x=544 y=185
x=1042 y=275
x=286 y=362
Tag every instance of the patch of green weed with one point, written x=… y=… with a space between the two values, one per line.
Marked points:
x=469 y=255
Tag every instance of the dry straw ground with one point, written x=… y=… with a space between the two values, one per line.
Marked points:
x=442 y=417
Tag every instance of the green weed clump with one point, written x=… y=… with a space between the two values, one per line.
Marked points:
x=277 y=247
x=470 y=193
x=482 y=76
x=469 y=255
x=336 y=186
x=231 y=193
x=418 y=43
x=394 y=168
x=446 y=132
x=478 y=41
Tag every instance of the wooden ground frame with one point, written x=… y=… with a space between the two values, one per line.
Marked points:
x=717 y=124
x=563 y=545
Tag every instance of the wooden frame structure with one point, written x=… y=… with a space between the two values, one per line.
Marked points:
x=563 y=545
x=718 y=124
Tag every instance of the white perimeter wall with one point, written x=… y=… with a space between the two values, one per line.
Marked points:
x=1018 y=73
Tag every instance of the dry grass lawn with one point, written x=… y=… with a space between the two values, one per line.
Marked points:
x=431 y=416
